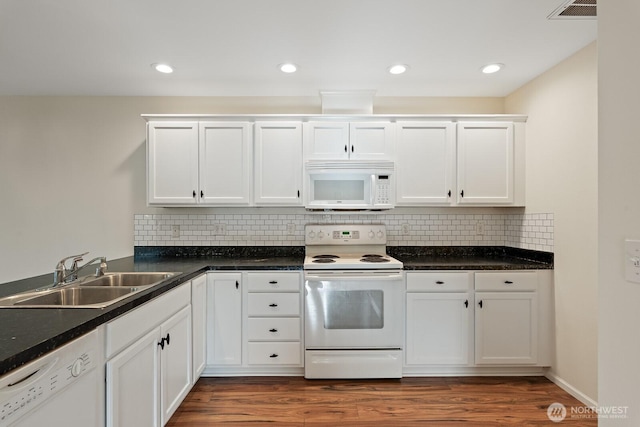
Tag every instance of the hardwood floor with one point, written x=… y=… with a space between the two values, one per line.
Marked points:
x=294 y=401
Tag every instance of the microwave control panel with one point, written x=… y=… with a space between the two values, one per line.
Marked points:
x=383 y=189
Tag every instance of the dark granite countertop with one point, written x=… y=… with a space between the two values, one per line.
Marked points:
x=28 y=333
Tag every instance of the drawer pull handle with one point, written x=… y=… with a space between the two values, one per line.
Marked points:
x=480 y=303
x=273 y=282
x=273 y=355
x=439 y=282
x=466 y=303
x=508 y=282
x=273 y=330
x=273 y=305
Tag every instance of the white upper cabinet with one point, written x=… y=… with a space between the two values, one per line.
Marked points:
x=199 y=163
x=345 y=140
x=278 y=163
x=225 y=163
x=425 y=160
x=172 y=156
x=486 y=159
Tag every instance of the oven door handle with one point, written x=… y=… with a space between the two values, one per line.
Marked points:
x=354 y=276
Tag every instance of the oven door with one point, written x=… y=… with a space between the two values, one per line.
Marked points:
x=353 y=310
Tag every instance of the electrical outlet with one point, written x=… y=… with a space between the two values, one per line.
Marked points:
x=291 y=229
x=480 y=228
x=405 y=229
x=175 y=231
x=219 y=229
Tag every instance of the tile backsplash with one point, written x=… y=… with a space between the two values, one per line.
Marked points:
x=525 y=231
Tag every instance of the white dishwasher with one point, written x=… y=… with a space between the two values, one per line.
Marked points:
x=61 y=388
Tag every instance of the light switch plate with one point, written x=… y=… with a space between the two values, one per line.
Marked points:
x=632 y=260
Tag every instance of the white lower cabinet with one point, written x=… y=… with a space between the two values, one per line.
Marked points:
x=439 y=318
x=254 y=328
x=467 y=322
x=506 y=316
x=199 y=324
x=224 y=319
x=149 y=361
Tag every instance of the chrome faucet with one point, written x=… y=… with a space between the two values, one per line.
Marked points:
x=62 y=274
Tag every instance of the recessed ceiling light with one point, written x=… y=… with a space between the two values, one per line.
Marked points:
x=492 y=68
x=288 y=68
x=398 y=69
x=163 y=68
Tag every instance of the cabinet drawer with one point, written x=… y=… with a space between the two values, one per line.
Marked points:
x=132 y=325
x=441 y=281
x=507 y=281
x=273 y=282
x=274 y=304
x=274 y=329
x=277 y=353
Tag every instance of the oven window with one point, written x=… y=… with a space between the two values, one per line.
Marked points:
x=338 y=189
x=354 y=309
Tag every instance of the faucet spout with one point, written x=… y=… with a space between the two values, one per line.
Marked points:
x=62 y=274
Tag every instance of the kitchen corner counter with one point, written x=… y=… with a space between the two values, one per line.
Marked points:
x=28 y=333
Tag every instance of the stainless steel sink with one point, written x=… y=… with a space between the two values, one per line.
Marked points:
x=124 y=279
x=87 y=292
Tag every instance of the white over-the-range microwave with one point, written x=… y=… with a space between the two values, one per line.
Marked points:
x=349 y=185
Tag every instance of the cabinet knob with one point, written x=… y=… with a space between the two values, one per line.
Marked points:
x=449 y=193
x=480 y=303
x=508 y=282
x=273 y=330
x=466 y=303
x=273 y=355
x=462 y=193
x=273 y=305
x=439 y=282
x=273 y=282
x=352 y=148
x=194 y=194
x=201 y=194
x=345 y=148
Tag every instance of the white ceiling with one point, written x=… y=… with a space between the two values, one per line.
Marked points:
x=233 y=47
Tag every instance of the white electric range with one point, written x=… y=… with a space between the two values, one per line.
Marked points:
x=354 y=325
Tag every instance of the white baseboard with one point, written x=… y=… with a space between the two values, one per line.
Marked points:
x=571 y=389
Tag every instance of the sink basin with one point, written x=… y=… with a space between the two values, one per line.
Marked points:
x=124 y=279
x=77 y=296
x=87 y=292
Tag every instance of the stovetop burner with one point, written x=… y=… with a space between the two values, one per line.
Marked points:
x=374 y=258
x=323 y=260
x=325 y=256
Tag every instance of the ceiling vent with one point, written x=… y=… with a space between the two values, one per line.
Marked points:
x=575 y=9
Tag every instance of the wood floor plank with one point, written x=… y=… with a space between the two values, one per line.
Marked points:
x=450 y=401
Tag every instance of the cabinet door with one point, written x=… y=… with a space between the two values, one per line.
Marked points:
x=172 y=163
x=224 y=319
x=326 y=140
x=506 y=328
x=371 y=140
x=199 y=320
x=438 y=328
x=225 y=163
x=485 y=163
x=132 y=384
x=424 y=163
x=278 y=163
x=175 y=361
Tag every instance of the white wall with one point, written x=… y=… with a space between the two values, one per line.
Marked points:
x=72 y=169
x=619 y=207
x=562 y=178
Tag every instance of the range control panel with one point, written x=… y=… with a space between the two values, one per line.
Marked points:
x=345 y=234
